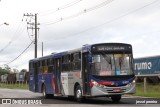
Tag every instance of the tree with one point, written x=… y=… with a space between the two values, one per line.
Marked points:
x=6 y=67
x=4 y=71
x=24 y=70
x=15 y=70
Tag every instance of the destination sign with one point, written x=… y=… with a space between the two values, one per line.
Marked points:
x=111 y=48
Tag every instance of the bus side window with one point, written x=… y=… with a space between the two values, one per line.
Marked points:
x=47 y=61
x=65 y=63
x=76 y=61
x=33 y=64
x=43 y=62
x=45 y=66
x=42 y=66
x=39 y=68
x=50 y=65
x=38 y=63
x=31 y=67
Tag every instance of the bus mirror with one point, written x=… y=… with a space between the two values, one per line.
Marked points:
x=96 y=58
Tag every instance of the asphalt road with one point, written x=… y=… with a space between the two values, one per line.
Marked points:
x=23 y=96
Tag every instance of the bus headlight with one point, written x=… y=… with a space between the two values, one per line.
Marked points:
x=130 y=84
x=94 y=83
x=134 y=81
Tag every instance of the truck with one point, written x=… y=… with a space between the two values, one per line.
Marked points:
x=147 y=69
x=147 y=65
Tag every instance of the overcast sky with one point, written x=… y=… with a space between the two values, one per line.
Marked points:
x=136 y=22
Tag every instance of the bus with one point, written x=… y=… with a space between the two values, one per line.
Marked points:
x=97 y=70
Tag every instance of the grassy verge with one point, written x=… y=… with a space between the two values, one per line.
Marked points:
x=153 y=90
x=14 y=86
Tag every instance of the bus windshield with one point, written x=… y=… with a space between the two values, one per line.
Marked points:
x=112 y=64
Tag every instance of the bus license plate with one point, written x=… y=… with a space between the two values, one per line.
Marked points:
x=117 y=90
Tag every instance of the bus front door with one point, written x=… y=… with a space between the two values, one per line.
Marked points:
x=35 y=77
x=85 y=74
x=58 y=76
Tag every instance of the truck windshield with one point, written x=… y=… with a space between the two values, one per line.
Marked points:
x=112 y=64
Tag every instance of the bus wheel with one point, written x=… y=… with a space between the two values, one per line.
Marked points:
x=116 y=98
x=45 y=95
x=78 y=94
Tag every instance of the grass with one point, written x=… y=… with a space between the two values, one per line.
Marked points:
x=153 y=90
x=14 y=86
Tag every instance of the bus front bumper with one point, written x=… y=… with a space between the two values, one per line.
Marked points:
x=104 y=90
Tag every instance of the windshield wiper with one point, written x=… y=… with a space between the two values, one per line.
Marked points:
x=106 y=57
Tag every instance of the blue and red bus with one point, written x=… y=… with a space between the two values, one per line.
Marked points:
x=97 y=70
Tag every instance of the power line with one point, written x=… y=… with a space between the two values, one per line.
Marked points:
x=116 y=18
x=80 y=13
x=59 y=8
x=18 y=55
x=17 y=33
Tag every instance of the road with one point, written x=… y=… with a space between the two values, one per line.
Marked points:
x=25 y=95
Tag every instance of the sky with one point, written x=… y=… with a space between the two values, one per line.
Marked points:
x=69 y=24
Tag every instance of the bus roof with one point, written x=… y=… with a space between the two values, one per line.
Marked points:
x=84 y=48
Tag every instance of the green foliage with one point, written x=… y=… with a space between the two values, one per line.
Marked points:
x=152 y=90
x=3 y=71
x=14 y=86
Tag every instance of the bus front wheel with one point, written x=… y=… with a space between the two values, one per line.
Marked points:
x=78 y=94
x=116 y=98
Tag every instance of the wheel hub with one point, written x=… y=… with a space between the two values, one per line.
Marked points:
x=78 y=93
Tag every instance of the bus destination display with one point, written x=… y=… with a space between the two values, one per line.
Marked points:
x=111 y=48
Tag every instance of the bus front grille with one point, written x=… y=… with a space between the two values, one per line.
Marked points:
x=116 y=90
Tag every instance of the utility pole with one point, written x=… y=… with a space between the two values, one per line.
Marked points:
x=42 y=48
x=34 y=25
x=35 y=35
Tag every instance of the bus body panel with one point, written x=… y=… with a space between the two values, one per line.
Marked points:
x=48 y=83
x=63 y=83
x=31 y=81
x=69 y=80
x=33 y=78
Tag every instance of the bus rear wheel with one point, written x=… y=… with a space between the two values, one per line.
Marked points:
x=78 y=94
x=45 y=95
x=116 y=98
